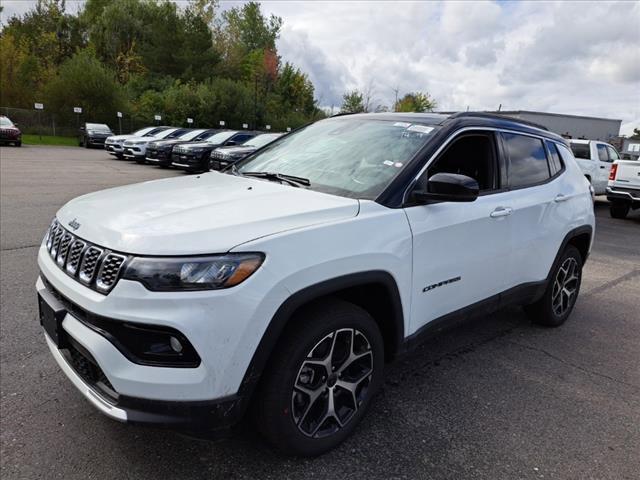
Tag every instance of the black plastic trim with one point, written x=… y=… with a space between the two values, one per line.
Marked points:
x=105 y=326
x=306 y=295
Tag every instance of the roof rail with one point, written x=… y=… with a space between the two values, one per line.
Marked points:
x=497 y=116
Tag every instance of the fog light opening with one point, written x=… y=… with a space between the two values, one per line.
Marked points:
x=175 y=344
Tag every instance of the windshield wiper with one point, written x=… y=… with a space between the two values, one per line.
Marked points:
x=281 y=177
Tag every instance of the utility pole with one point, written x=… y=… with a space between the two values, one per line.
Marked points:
x=395 y=103
x=255 y=103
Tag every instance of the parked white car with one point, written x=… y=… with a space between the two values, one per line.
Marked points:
x=135 y=148
x=288 y=281
x=114 y=145
x=623 y=190
x=594 y=159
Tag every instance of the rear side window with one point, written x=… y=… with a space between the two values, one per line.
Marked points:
x=581 y=150
x=613 y=155
x=555 y=163
x=602 y=153
x=527 y=160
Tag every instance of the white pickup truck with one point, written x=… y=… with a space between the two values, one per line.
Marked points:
x=623 y=189
x=594 y=159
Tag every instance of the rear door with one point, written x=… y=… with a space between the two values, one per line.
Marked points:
x=604 y=167
x=538 y=200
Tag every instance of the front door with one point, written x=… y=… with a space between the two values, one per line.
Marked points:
x=461 y=250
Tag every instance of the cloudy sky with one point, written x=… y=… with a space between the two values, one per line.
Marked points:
x=573 y=57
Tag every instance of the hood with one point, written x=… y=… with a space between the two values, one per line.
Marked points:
x=167 y=143
x=121 y=137
x=140 y=139
x=199 y=214
x=190 y=145
x=236 y=150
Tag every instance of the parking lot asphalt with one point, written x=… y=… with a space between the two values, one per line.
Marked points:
x=495 y=398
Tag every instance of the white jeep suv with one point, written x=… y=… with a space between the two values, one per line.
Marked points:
x=286 y=282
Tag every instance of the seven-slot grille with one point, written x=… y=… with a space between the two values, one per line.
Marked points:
x=94 y=266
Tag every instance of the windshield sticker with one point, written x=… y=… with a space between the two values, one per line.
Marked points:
x=420 y=128
x=402 y=124
x=388 y=162
x=397 y=164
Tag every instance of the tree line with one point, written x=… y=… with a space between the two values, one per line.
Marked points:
x=148 y=57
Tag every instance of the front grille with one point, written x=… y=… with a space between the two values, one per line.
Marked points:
x=94 y=266
x=219 y=155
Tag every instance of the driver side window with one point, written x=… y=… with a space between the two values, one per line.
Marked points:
x=473 y=155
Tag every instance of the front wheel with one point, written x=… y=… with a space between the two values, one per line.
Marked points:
x=321 y=379
x=557 y=303
x=619 y=209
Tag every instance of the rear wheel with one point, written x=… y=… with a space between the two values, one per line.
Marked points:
x=557 y=303
x=619 y=209
x=321 y=379
x=19 y=144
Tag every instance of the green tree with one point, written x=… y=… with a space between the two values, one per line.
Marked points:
x=636 y=134
x=353 y=102
x=85 y=82
x=416 y=102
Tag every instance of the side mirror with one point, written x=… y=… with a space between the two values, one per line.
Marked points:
x=447 y=187
x=82 y=128
x=231 y=143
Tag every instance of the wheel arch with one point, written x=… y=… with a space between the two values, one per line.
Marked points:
x=580 y=238
x=385 y=307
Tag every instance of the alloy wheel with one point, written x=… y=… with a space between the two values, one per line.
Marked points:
x=332 y=383
x=565 y=287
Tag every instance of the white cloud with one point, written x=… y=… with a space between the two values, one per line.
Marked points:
x=573 y=57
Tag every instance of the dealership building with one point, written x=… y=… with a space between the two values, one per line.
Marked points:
x=569 y=126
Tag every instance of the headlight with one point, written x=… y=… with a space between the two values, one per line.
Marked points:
x=193 y=273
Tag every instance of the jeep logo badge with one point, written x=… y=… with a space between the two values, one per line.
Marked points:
x=74 y=224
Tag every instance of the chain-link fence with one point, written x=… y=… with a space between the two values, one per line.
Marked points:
x=41 y=122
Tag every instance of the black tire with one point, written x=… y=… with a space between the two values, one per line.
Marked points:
x=86 y=143
x=547 y=311
x=19 y=144
x=277 y=401
x=619 y=209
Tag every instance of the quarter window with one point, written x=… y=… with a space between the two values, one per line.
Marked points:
x=527 y=160
x=555 y=163
x=613 y=155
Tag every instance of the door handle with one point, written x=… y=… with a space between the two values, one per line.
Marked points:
x=603 y=167
x=560 y=198
x=501 y=212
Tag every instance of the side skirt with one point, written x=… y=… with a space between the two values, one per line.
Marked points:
x=519 y=295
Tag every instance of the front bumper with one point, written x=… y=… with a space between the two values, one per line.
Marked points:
x=627 y=195
x=224 y=327
x=158 y=157
x=191 y=417
x=114 y=149
x=190 y=161
x=134 y=152
x=98 y=141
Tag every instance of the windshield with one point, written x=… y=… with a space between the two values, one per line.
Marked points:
x=581 y=150
x=261 y=140
x=99 y=127
x=353 y=157
x=165 y=133
x=142 y=132
x=5 y=122
x=220 y=137
x=190 y=135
